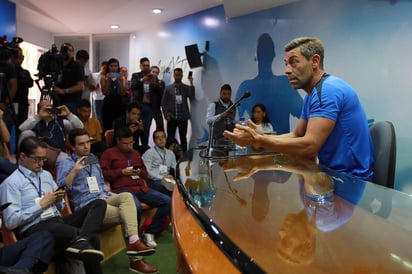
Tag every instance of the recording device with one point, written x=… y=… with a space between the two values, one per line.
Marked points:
x=208 y=152
x=115 y=75
x=50 y=70
x=61 y=188
x=4 y=206
x=91 y=160
x=190 y=74
x=134 y=123
x=8 y=49
x=54 y=111
x=50 y=66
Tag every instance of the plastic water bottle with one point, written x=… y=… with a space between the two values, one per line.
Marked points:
x=240 y=150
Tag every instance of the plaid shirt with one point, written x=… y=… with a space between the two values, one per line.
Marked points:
x=179 y=107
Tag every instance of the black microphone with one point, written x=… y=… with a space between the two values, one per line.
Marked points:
x=207 y=153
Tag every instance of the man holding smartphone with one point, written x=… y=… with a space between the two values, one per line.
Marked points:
x=135 y=124
x=83 y=178
x=124 y=168
x=36 y=203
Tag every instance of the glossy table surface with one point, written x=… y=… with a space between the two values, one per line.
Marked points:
x=283 y=214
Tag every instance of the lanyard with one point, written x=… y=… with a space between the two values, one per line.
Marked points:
x=164 y=155
x=129 y=160
x=39 y=192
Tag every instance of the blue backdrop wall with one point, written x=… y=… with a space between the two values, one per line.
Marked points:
x=7 y=19
x=367 y=44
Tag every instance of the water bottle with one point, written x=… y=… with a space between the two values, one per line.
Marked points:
x=240 y=150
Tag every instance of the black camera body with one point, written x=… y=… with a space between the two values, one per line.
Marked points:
x=54 y=111
x=8 y=49
x=50 y=66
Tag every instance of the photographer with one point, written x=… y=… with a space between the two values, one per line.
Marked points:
x=51 y=125
x=70 y=87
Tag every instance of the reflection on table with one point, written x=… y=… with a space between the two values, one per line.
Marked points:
x=283 y=214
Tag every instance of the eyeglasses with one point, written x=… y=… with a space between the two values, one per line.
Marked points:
x=38 y=159
x=160 y=137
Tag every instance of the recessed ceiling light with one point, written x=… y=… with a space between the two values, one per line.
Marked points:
x=114 y=26
x=157 y=11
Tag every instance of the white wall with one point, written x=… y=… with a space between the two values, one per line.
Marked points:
x=34 y=35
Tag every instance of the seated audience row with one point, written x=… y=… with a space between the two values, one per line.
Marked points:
x=83 y=179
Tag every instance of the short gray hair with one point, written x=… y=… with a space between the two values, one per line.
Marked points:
x=309 y=46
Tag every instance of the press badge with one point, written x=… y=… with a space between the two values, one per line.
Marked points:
x=163 y=170
x=47 y=213
x=179 y=99
x=92 y=183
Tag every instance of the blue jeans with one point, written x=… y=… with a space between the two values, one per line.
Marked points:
x=155 y=199
x=98 y=105
x=6 y=168
x=157 y=185
x=147 y=117
x=33 y=252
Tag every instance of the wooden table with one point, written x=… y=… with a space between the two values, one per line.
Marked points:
x=273 y=213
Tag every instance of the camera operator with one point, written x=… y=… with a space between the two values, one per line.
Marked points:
x=70 y=87
x=24 y=82
x=8 y=81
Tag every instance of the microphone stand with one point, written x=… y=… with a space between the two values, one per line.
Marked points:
x=209 y=151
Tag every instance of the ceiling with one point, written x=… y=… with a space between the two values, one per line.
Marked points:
x=84 y=17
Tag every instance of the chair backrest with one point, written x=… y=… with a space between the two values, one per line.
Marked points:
x=384 y=144
x=109 y=137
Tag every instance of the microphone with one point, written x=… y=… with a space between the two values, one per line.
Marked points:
x=208 y=153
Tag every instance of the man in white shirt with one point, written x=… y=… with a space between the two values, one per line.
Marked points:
x=160 y=163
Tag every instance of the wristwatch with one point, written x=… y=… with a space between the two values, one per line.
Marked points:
x=66 y=91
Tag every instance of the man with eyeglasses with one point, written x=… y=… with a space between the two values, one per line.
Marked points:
x=160 y=163
x=35 y=204
x=124 y=168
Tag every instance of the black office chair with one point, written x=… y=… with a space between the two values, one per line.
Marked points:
x=384 y=144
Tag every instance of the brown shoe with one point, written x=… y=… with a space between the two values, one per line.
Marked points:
x=139 y=248
x=142 y=267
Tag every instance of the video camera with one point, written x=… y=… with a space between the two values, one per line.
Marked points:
x=8 y=49
x=50 y=66
x=50 y=69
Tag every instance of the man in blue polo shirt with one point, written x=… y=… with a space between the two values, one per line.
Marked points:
x=333 y=125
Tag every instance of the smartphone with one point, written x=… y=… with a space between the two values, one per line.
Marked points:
x=4 y=206
x=91 y=160
x=114 y=74
x=61 y=188
x=190 y=74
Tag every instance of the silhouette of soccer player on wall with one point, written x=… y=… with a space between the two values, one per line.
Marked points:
x=272 y=90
